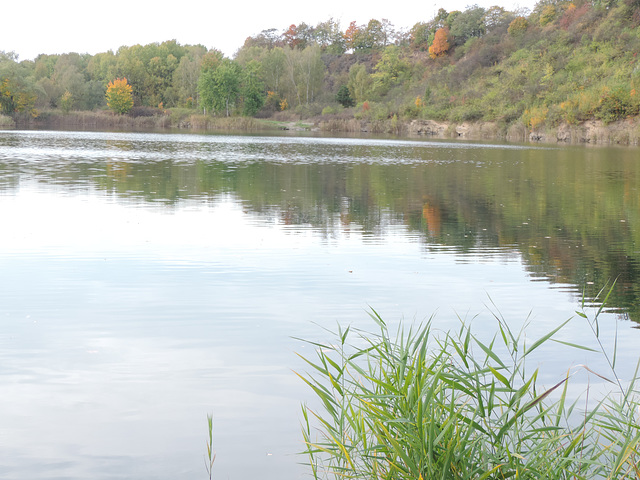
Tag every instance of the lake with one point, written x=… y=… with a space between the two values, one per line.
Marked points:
x=148 y=280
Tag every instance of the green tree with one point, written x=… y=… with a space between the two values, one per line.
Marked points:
x=548 y=14
x=185 y=76
x=219 y=87
x=273 y=68
x=17 y=88
x=467 y=24
x=69 y=75
x=390 y=70
x=253 y=89
x=329 y=37
x=66 y=102
x=119 y=96
x=291 y=87
x=268 y=39
x=518 y=26
x=373 y=36
x=497 y=16
x=419 y=35
x=343 y=97
x=311 y=72
x=130 y=64
x=102 y=67
x=359 y=82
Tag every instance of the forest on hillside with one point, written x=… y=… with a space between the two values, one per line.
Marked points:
x=562 y=62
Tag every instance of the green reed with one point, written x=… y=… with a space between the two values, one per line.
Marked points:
x=416 y=405
x=211 y=454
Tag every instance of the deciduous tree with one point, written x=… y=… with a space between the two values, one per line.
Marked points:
x=17 y=89
x=329 y=37
x=66 y=102
x=518 y=26
x=440 y=45
x=350 y=35
x=219 y=87
x=253 y=89
x=467 y=24
x=185 y=76
x=390 y=70
x=119 y=96
x=496 y=16
x=273 y=67
x=290 y=36
x=311 y=72
x=359 y=82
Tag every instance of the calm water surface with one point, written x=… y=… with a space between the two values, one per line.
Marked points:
x=147 y=280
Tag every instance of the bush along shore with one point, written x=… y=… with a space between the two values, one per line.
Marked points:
x=423 y=406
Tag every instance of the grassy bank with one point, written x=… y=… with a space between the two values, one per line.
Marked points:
x=143 y=119
x=422 y=406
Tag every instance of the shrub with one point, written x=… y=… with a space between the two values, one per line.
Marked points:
x=308 y=110
x=420 y=406
x=145 y=112
x=617 y=103
x=412 y=110
x=6 y=121
x=329 y=110
x=535 y=117
x=580 y=106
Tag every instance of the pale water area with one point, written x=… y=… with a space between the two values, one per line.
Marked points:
x=147 y=280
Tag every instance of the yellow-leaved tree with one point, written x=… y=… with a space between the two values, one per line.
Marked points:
x=119 y=96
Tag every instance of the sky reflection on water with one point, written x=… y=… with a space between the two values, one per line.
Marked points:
x=124 y=322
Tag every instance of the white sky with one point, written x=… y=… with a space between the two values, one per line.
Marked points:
x=45 y=26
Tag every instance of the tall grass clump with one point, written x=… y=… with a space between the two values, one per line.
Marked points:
x=420 y=405
x=6 y=122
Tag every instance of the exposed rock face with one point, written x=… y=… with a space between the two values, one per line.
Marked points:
x=623 y=132
x=535 y=136
x=463 y=130
x=427 y=127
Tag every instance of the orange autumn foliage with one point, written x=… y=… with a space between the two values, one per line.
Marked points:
x=350 y=35
x=440 y=45
x=433 y=217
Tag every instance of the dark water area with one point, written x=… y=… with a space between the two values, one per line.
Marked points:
x=147 y=280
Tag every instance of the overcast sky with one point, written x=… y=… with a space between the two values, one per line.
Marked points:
x=46 y=26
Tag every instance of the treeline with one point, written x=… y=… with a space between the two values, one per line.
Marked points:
x=563 y=62
x=165 y=73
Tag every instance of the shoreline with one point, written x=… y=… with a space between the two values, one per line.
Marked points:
x=591 y=132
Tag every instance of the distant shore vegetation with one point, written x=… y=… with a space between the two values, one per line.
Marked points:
x=558 y=66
